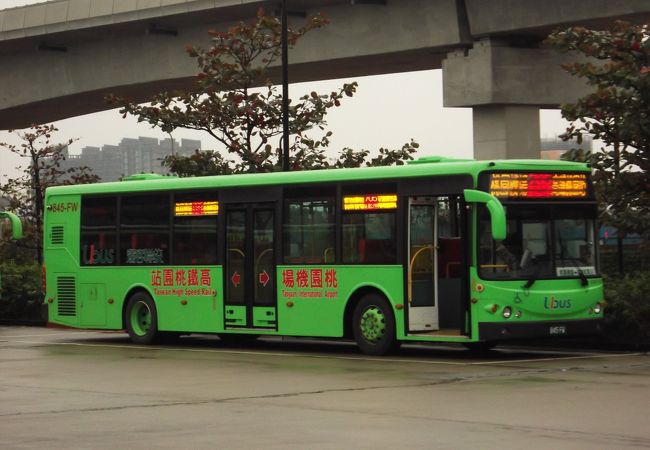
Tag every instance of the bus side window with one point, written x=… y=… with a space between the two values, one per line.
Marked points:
x=98 y=234
x=195 y=232
x=144 y=229
x=369 y=238
x=309 y=231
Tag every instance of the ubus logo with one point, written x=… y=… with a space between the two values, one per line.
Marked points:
x=554 y=303
x=93 y=256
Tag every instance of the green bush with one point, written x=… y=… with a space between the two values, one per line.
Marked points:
x=21 y=295
x=627 y=314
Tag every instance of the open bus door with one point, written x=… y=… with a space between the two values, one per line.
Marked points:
x=423 y=261
x=435 y=264
x=436 y=268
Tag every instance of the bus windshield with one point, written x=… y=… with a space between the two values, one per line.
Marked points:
x=543 y=241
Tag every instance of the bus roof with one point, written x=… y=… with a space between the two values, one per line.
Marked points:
x=423 y=167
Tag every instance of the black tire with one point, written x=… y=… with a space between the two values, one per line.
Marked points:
x=373 y=325
x=142 y=319
x=481 y=347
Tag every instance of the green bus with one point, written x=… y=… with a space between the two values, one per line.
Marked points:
x=438 y=250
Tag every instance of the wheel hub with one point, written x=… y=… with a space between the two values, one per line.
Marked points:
x=141 y=318
x=373 y=324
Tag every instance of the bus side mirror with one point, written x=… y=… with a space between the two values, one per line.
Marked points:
x=497 y=213
x=16 y=226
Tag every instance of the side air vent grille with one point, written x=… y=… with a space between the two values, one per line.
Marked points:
x=57 y=235
x=67 y=296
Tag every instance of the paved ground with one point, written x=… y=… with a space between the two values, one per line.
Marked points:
x=80 y=389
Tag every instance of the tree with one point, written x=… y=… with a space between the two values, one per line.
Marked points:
x=228 y=103
x=234 y=100
x=616 y=62
x=26 y=193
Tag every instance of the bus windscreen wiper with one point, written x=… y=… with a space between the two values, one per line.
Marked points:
x=583 y=278
x=533 y=277
x=529 y=283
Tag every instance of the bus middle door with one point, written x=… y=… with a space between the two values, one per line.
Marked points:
x=250 y=294
x=422 y=265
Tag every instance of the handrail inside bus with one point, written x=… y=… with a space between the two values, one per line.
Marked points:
x=326 y=252
x=236 y=250
x=16 y=225
x=431 y=248
x=497 y=213
x=495 y=266
x=259 y=258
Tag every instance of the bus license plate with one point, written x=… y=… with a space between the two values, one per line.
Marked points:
x=557 y=330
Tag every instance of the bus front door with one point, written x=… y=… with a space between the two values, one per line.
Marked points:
x=250 y=293
x=423 y=265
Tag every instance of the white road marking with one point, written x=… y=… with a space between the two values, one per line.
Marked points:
x=563 y=358
x=308 y=355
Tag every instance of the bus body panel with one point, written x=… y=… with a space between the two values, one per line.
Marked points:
x=545 y=302
x=61 y=256
x=317 y=309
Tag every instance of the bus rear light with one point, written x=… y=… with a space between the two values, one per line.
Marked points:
x=50 y=300
x=518 y=314
x=598 y=308
x=492 y=308
x=507 y=312
x=480 y=287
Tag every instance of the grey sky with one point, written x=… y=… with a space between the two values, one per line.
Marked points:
x=388 y=110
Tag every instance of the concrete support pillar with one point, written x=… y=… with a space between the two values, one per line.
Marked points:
x=506 y=86
x=506 y=132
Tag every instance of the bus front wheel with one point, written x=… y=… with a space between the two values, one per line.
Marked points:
x=142 y=319
x=374 y=325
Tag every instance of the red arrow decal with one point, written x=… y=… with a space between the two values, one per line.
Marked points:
x=236 y=279
x=264 y=278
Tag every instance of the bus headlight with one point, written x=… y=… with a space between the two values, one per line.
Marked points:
x=598 y=308
x=507 y=312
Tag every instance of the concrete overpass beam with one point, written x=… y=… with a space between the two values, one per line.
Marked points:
x=506 y=86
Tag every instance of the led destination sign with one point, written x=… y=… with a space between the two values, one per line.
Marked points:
x=196 y=208
x=369 y=202
x=538 y=185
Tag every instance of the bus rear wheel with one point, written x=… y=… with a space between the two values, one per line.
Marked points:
x=373 y=324
x=142 y=319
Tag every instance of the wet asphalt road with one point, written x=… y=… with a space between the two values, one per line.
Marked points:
x=88 y=389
